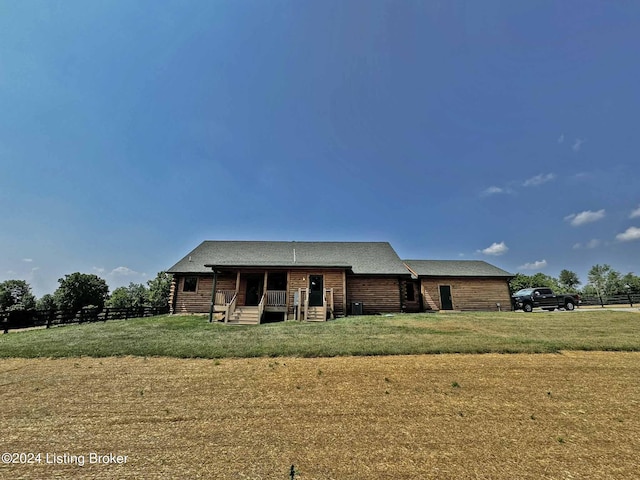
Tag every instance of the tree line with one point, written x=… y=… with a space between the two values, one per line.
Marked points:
x=603 y=281
x=81 y=290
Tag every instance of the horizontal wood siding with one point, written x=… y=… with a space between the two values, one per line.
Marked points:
x=332 y=279
x=475 y=294
x=200 y=300
x=377 y=294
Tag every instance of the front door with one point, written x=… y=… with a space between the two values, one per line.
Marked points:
x=254 y=290
x=316 y=290
x=446 y=302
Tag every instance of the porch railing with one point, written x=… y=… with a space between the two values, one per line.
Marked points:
x=328 y=301
x=261 y=306
x=224 y=297
x=303 y=303
x=229 y=309
x=276 y=298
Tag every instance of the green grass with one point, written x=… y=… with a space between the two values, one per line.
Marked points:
x=192 y=336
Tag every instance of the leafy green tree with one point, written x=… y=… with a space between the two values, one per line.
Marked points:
x=520 y=281
x=119 y=298
x=16 y=295
x=542 y=280
x=135 y=295
x=633 y=281
x=159 y=289
x=605 y=280
x=46 y=302
x=568 y=281
x=79 y=290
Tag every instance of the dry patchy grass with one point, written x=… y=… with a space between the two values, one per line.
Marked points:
x=570 y=415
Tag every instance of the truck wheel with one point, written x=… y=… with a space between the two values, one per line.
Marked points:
x=527 y=307
x=569 y=306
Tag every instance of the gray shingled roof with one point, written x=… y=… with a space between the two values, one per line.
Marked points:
x=374 y=258
x=455 y=268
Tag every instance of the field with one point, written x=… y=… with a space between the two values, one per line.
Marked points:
x=563 y=415
x=570 y=415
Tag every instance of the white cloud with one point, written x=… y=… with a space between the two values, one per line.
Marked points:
x=35 y=269
x=28 y=260
x=632 y=233
x=123 y=271
x=539 y=180
x=593 y=243
x=577 y=145
x=635 y=213
x=495 y=249
x=11 y=272
x=577 y=219
x=98 y=270
x=493 y=191
x=537 y=265
x=561 y=138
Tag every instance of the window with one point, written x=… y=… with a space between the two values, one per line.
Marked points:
x=190 y=284
x=411 y=293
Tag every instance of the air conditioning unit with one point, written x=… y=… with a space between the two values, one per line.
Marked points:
x=356 y=308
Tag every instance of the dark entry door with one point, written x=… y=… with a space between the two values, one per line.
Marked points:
x=316 y=290
x=254 y=290
x=446 y=302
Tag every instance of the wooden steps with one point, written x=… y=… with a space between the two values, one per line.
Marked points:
x=316 y=314
x=244 y=316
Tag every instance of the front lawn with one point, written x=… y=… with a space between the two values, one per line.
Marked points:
x=192 y=336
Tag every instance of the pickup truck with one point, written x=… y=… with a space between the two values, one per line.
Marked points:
x=529 y=298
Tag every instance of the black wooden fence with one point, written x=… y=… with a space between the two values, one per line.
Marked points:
x=17 y=319
x=632 y=299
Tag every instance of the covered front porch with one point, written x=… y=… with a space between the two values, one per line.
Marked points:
x=257 y=296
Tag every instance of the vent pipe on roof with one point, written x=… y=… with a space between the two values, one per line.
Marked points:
x=294 y=255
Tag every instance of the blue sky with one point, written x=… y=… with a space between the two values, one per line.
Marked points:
x=495 y=130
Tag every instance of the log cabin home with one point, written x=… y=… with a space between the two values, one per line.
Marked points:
x=262 y=281
x=461 y=285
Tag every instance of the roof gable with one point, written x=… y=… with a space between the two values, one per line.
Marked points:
x=373 y=258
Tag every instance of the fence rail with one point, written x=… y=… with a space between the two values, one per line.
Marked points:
x=19 y=319
x=625 y=299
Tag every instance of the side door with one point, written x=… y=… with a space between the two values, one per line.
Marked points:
x=547 y=298
x=446 y=301
x=316 y=290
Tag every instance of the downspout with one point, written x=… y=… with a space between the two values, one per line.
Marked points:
x=213 y=294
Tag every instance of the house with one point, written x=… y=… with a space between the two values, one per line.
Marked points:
x=256 y=281
x=461 y=285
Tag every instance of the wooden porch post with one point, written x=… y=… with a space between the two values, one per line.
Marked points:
x=344 y=293
x=213 y=295
x=286 y=312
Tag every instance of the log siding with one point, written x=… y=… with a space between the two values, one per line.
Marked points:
x=378 y=294
x=473 y=294
x=200 y=300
